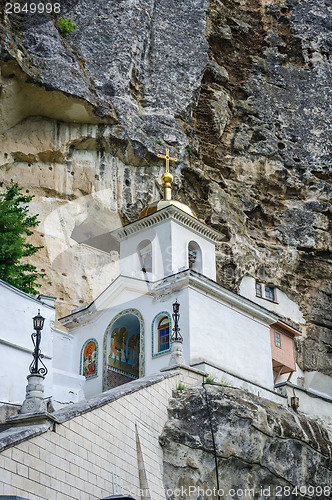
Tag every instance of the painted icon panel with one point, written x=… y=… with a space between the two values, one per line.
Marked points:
x=89 y=361
x=124 y=351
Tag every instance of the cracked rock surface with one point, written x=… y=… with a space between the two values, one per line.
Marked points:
x=259 y=445
x=239 y=90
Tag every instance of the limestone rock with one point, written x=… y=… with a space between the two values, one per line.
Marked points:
x=259 y=445
x=238 y=90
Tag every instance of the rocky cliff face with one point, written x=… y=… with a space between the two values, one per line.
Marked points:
x=263 y=450
x=237 y=89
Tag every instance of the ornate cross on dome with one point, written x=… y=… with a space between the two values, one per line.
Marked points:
x=167 y=177
x=168 y=158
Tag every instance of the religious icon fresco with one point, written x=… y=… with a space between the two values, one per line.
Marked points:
x=124 y=351
x=90 y=359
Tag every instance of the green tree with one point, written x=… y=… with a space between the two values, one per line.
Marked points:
x=15 y=226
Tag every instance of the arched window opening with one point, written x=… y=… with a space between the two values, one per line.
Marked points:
x=163 y=334
x=144 y=251
x=195 y=257
x=161 y=329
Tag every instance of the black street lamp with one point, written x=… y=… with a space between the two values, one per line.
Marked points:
x=38 y=321
x=38 y=324
x=176 y=337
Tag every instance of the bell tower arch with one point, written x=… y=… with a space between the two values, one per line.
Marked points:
x=166 y=239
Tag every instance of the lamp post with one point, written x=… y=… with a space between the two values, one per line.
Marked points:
x=38 y=324
x=176 y=337
x=34 y=400
x=176 y=357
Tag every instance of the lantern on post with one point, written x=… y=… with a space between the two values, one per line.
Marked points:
x=176 y=357
x=176 y=337
x=34 y=403
x=38 y=321
x=38 y=324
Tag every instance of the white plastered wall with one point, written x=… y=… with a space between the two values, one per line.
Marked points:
x=169 y=241
x=283 y=306
x=68 y=386
x=129 y=300
x=181 y=237
x=17 y=310
x=229 y=339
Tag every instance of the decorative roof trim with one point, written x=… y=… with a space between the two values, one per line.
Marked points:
x=290 y=330
x=173 y=213
x=206 y=285
x=164 y=287
x=93 y=310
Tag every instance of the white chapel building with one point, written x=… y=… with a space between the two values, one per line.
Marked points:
x=168 y=255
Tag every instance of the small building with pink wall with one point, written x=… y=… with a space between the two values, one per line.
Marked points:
x=283 y=349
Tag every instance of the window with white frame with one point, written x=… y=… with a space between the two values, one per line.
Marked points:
x=277 y=339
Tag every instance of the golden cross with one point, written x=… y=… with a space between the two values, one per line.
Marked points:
x=167 y=157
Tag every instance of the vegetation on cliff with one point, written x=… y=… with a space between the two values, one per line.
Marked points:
x=15 y=226
x=238 y=89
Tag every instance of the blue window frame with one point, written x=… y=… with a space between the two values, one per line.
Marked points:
x=163 y=334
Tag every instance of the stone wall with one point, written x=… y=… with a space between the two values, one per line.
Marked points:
x=107 y=444
x=263 y=450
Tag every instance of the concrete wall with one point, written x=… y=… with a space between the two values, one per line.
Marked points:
x=68 y=386
x=228 y=379
x=16 y=312
x=107 y=445
x=181 y=237
x=230 y=339
x=130 y=264
x=318 y=382
x=284 y=305
x=313 y=404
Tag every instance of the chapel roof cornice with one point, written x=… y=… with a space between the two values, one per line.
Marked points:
x=161 y=289
x=209 y=287
x=171 y=212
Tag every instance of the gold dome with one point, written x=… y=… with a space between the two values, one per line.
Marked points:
x=159 y=205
